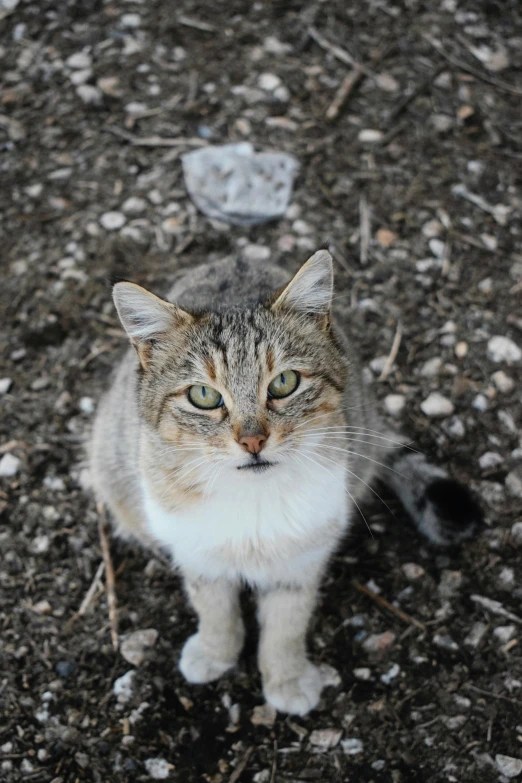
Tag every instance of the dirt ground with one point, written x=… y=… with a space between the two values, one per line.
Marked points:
x=415 y=184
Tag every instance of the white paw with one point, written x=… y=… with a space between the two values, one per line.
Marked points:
x=197 y=666
x=297 y=695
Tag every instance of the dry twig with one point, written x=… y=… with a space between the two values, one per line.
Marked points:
x=364 y=224
x=109 y=575
x=384 y=604
x=89 y=595
x=500 y=85
x=393 y=353
x=241 y=766
x=343 y=93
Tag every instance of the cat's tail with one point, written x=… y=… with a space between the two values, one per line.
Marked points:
x=443 y=509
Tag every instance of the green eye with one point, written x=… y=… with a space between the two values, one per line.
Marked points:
x=283 y=384
x=205 y=397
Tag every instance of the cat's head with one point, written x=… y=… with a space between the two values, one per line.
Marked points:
x=242 y=386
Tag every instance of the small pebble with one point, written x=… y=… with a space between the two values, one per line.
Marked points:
x=450 y=583
x=504 y=633
x=5 y=385
x=432 y=228
x=263 y=715
x=370 y=135
x=391 y=674
x=445 y=642
x=362 y=673
x=503 y=349
x=432 y=367
x=516 y=533
x=509 y=766
x=112 y=220
x=86 y=405
x=79 y=61
x=255 y=253
x=513 y=482
x=436 y=405
x=394 y=404
x=122 y=687
x=90 y=95
x=9 y=465
x=42 y=607
x=325 y=738
x=379 y=642
x=135 y=645
x=134 y=205
x=461 y=350
x=480 y=403
x=130 y=21
x=490 y=460
x=503 y=382
x=476 y=635
x=351 y=746
x=158 y=768
x=412 y=571
x=269 y=81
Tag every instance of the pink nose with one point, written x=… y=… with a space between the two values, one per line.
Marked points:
x=253 y=444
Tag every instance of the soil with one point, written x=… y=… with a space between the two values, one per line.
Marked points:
x=442 y=90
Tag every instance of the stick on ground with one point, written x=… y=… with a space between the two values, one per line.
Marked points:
x=384 y=604
x=393 y=354
x=109 y=575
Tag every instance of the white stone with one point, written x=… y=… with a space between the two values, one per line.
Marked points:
x=130 y=20
x=516 y=533
x=480 y=403
x=370 y=135
x=112 y=220
x=5 y=385
x=351 y=746
x=86 y=405
x=504 y=633
x=134 y=205
x=509 y=767
x=330 y=677
x=432 y=228
x=437 y=247
x=413 y=571
x=9 y=465
x=273 y=45
x=90 y=95
x=302 y=228
x=432 y=367
x=325 y=738
x=513 y=482
x=486 y=285
x=269 y=81
x=436 y=405
x=394 y=403
x=391 y=674
x=136 y=108
x=135 y=645
x=79 y=61
x=253 y=252
x=362 y=673
x=454 y=427
x=490 y=460
x=123 y=686
x=503 y=349
x=79 y=77
x=159 y=769
x=503 y=382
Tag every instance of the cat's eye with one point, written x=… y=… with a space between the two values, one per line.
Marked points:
x=205 y=397
x=283 y=384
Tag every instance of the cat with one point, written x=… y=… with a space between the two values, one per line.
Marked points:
x=239 y=436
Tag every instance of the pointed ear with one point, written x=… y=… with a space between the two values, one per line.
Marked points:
x=310 y=290
x=145 y=317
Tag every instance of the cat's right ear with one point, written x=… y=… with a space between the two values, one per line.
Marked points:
x=146 y=318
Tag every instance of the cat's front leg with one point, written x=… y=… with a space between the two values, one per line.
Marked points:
x=219 y=640
x=290 y=682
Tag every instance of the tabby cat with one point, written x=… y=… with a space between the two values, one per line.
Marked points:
x=238 y=435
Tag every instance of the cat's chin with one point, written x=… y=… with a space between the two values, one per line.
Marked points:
x=259 y=466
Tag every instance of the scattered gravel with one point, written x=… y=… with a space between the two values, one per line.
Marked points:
x=437 y=406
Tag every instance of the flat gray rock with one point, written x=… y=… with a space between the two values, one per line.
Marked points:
x=235 y=184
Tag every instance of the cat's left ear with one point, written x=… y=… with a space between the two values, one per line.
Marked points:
x=310 y=291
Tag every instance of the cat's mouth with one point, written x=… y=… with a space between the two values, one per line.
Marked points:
x=256 y=465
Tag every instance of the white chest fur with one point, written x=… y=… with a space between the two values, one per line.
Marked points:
x=263 y=528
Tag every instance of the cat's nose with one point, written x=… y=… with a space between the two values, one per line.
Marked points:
x=252 y=444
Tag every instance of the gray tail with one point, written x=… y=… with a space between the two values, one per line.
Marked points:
x=443 y=509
